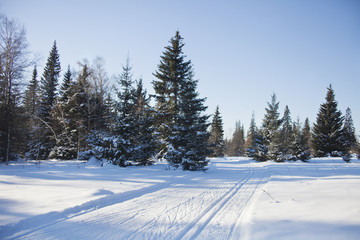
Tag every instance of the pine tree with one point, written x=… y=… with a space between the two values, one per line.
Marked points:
x=284 y=138
x=143 y=138
x=66 y=119
x=125 y=120
x=236 y=145
x=217 y=135
x=327 y=137
x=270 y=129
x=171 y=74
x=31 y=101
x=306 y=132
x=298 y=147
x=271 y=122
x=350 y=141
x=251 y=138
x=84 y=107
x=49 y=82
x=180 y=123
x=31 y=104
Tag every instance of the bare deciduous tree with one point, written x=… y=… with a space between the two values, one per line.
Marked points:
x=13 y=63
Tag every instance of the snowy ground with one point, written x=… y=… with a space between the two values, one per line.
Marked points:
x=236 y=198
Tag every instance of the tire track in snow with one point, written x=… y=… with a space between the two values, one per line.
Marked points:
x=199 y=223
x=39 y=222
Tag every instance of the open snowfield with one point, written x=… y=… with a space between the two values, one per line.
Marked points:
x=236 y=198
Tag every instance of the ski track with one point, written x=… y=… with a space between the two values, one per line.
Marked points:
x=195 y=227
x=33 y=224
x=130 y=215
x=205 y=227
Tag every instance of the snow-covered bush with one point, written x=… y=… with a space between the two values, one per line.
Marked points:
x=106 y=146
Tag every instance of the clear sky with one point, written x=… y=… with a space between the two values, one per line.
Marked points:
x=242 y=51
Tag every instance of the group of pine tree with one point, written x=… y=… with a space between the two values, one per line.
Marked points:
x=80 y=117
x=282 y=139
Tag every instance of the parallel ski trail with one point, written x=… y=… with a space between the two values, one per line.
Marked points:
x=235 y=230
x=199 y=223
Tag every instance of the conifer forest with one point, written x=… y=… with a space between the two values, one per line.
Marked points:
x=177 y=120
x=80 y=114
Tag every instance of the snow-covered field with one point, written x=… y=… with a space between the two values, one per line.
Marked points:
x=236 y=198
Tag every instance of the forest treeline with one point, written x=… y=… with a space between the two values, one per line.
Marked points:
x=79 y=115
x=282 y=139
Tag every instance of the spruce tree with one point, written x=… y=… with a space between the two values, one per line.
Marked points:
x=350 y=141
x=125 y=120
x=250 y=138
x=171 y=74
x=236 y=145
x=49 y=82
x=31 y=100
x=66 y=118
x=271 y=122
x=328 y=134
x=143 y=138
x=217 y=135
x=298 y=147
x=284 y=138
x=270 y=129
x=31 y=104
x=85 y=106
x=180 y=122
x=306 y=132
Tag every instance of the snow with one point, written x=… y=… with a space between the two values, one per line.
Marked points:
x=237 y=198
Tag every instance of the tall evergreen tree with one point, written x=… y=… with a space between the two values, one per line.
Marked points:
x=171 y=74
x=281 y=145
x=143 y=138
x=299 y=148
x=271 y=122
x=31 y=100
x=270 y=129
x=250 y=138
x=350 y=141
x=124 y=123
x=287 y=127
x=236 y=145
x=217 y=135
x=306 y=132
x=66 y=118
x=85 y=107
x=31 y=104
x=49 y=82
x=328 y=137
x=180 y=122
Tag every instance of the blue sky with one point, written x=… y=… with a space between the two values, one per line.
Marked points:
x=242 y=51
